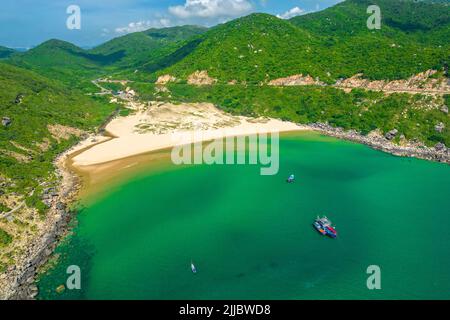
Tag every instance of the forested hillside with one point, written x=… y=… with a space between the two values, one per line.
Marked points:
x=5 y=52
x=141 y=48
x=75 y=66
x=331 y=44
x=40 y=119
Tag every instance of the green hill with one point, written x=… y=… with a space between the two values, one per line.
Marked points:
x=252 y=48
x=31 y=103
x=6 y=52
x=63 y=61
x=399 y=18
x=70 y=64
x=141 y=48
x=413 y=36
x=330 y=44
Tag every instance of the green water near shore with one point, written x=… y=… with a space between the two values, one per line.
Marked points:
x=251 y=237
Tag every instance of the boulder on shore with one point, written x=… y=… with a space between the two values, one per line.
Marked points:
x=440 y=147
x=391 y=134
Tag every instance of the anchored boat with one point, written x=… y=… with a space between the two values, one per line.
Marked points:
x=193 y=268
x=323 y=225
x=319 y=228
x=291 y=178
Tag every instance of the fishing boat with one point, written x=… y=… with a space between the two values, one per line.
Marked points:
x=331 y=231
x=319 y=228
x=324 y=226
x=193 y=268
x=291 y=178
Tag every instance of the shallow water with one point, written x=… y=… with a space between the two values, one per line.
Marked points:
x=251 y=236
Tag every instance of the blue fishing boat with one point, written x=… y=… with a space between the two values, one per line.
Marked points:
x=323 y=225
x=319 y=228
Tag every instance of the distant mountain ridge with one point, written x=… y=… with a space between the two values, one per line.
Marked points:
x=328 y=45
x=6 y=52
x=69 y=63
x=140 y=48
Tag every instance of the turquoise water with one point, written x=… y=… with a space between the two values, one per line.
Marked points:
x=251 y=237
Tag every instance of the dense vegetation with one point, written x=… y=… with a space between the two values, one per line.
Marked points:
x=75 y=66
x=63 y=61
x=362 y=110
x=3 y=208
x=32 y=103
x=332 y=44
x=5 y=239
x=137 y=50
x=5 y=52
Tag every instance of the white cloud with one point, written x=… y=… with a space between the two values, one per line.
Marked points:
x=211 y=8
x=144 y=25
x=105 y=32
x=296 y=11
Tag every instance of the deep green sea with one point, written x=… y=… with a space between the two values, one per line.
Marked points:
x=251 y=236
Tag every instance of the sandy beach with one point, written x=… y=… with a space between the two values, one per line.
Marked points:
x=164 y=125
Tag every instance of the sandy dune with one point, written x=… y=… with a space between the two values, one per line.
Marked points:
x=165 y=125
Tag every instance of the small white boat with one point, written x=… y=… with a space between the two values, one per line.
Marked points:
x=193 y=268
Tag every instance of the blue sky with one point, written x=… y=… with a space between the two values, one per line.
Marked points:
x=26 y=23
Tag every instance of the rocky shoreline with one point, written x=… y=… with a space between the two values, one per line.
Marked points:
x=21 y=278
x=440 y=153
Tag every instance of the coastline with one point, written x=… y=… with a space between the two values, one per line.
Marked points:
x=167 y=125
x=20 y=281
x=378 y=142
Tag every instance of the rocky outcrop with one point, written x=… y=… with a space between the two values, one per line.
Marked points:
x=391 y=134
x=296 y=80
x=439 y=127
x=18 y=283
x=60 y=132
x=17 y=155
x=6 y=121
x=444 y=109
x=201 y=78
x=22 y=275
x=19 y=98
x=440 y=153
x=165 y=79
x=420 y=83
x=440 y=146
x=130 y=92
